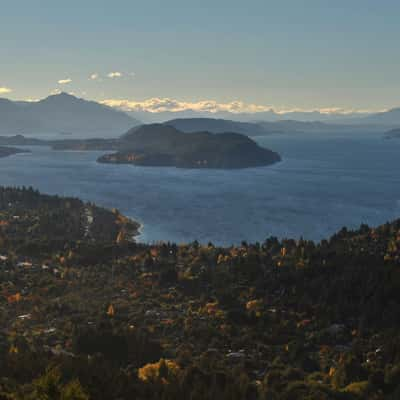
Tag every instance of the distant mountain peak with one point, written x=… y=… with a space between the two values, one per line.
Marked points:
x=63 y=94
x=64 y=112
x=59 y=96
x=63 y=97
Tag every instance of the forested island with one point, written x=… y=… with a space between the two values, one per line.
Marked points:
x=165 y=146
x=88 y=313
x=9 y=151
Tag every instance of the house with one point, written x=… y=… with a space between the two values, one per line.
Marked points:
x=24 y=264
x=236 y=356
x=24 y=317
x=336 y=329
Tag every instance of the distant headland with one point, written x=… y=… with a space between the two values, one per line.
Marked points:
x=9 y=151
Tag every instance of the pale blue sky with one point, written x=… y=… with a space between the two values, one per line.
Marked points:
x=288 y=54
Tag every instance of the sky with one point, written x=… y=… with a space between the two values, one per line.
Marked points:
x=232 y=55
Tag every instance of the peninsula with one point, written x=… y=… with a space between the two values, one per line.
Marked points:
x=9 y=151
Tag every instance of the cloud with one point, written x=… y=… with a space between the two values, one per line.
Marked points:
x=31 y=100
x=64 y=81
x=156 y=104
x=114 y=74
x=5 y=90
x=165 y=104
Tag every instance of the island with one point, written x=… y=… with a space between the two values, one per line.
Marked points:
x=161 y=145
x=9 y=151
x=165 y=146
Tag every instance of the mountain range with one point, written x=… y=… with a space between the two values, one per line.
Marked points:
x=389 y=119
x=190 y=125
x=261 y=128
x=63 y=114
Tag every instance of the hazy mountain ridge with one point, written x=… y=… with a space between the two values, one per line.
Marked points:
x=63 y=113
x=387 y=118
x=191 y=125
x=67 y=114
x=273 y=122
x=270 y=115
x=261 y=128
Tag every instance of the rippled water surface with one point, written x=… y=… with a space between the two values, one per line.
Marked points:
x=323 y=184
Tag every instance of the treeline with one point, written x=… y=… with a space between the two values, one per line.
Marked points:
x=113 y=319
x=34 y=223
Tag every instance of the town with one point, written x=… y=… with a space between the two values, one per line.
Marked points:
x=289 y=319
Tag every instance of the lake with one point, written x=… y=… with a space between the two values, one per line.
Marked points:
x=322 y=184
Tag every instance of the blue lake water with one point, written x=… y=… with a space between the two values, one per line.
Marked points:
x=323 y=183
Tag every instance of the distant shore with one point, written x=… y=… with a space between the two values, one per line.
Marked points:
x=10 y=151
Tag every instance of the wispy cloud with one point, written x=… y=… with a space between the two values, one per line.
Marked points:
x=64 y=81
x=115 y=74
x=5 y=90
x=112 y=75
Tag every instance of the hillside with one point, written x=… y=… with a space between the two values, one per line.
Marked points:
x=62 y=113
x=262 y=128
x=15 y=119
x=289 y=319
x=33 y=219
x=163 y=145
x=385 y=118
x=293 y=126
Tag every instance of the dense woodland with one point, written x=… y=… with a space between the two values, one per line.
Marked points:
x=87 y=313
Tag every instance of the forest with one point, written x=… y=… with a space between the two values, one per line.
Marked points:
x=89 y=313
